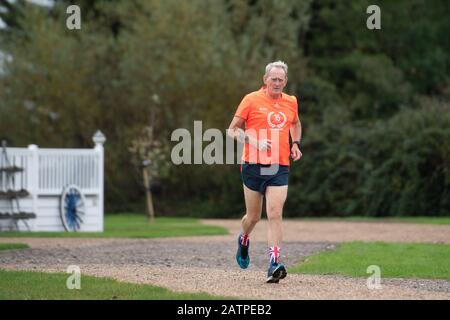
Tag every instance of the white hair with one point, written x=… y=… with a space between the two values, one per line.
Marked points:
x=277 y=64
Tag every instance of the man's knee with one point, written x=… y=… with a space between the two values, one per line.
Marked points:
x=253 y=218
x=274 y=213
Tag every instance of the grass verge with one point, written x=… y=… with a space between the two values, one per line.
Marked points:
x=396 y=260
x=26 y=285
x=13 y=246
x=420 y=220
x=135 y=226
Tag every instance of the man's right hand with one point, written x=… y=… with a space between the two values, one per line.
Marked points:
x=264 y=145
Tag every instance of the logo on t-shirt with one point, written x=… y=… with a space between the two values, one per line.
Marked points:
x=276 y=120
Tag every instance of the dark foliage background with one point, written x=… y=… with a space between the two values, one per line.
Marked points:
x=374 y=104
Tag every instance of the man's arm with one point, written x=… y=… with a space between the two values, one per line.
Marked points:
x=296 y=131
x=296 y=135
x=236 y=132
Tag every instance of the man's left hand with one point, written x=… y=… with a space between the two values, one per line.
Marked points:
x=296 y=154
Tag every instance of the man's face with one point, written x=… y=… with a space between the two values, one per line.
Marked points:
x=275 y=81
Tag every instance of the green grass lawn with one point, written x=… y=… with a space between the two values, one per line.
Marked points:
x=38 y=285
x=12 y=246
x=396 y=260
x=135 y=226
x=421 y=220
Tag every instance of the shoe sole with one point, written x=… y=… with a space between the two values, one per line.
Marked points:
x=271 y=279
x=277 y=275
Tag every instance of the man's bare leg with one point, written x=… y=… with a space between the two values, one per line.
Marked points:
x=275 y=199
x=253 y=204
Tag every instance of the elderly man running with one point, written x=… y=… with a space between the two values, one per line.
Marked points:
x=269 y=116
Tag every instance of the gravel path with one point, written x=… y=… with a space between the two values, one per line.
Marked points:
x=343 y=231
x=206 y=264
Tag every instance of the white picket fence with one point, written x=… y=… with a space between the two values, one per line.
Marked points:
x=47 y=172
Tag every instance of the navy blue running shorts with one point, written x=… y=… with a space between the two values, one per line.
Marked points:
x=257 y=180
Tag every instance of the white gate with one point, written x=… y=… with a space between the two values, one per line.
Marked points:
x=45 y=174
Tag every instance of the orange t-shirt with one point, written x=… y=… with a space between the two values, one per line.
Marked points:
x=268 y=118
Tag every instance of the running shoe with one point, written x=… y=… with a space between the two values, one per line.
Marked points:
x=242 y=257
x=276 y=272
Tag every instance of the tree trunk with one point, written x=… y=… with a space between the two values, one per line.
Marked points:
x=150 y=209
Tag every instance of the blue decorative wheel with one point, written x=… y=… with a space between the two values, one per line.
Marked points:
x=72 y=208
